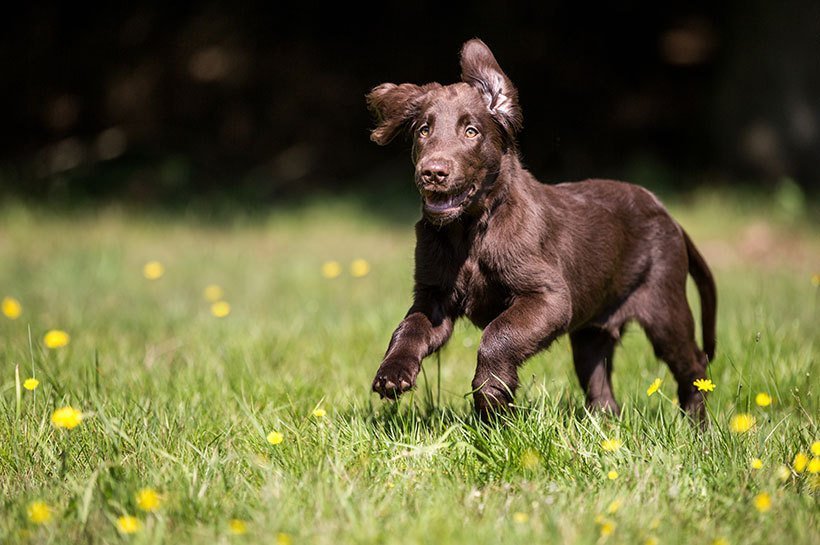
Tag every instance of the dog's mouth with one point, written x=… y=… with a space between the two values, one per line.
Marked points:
x=440 y=203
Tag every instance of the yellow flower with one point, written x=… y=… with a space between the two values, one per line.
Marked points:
x=520 y=517
x=39 y=512
x=213 y=293
x=613 y=507
x=148 y=499
x=800 y=462
x=611 y=445
x=720 y=541
x=220 y=309
x=319 y=413
x=653 y=387
x=275 y=437
x=66 y=417
x=704 y=385
x=612 y=475
x=815 y=280
x=651 y=540
x=741 y=423
x=607 y=527
x=153 y=270
x=530 y=459
x=11 y=308
x=814 y=465
x=783 y=473
x=815 y=448
x=127 y=524
x=31 y=384
x=359 y=268
x=331 y=269
x=283 y=539
x=757 y=463
x=237 y=526
x=56 y=338
x=763 y=502
x=763 y=399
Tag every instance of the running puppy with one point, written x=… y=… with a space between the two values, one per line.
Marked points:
x=528 y=262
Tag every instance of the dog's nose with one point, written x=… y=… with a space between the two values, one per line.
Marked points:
x=435 y=171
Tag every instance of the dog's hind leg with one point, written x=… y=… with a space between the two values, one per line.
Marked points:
x=670 y=327
x=592 y=351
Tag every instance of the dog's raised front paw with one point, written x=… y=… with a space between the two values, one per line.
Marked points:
x=394 y=377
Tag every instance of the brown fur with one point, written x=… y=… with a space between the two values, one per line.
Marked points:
x=528 y=262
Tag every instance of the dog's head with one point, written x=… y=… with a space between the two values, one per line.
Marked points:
x=460 y=132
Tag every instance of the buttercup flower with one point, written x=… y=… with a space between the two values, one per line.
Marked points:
x=520 y=517
x=653 y=387
x=56 y=338
x=613 y=507
x=319 y=413
x=611 y=445
x=530 y=459
x=220 y=309
x=612 y=475
x=31 y=384
x=38 y=512
x=815 y=448
x=283 y=539
x=763 y=399
x=741 y=423
x=704 y=385
x=607 y=527
x=756 y=463
x=800 y=462
x=720 y=541
x=237 y=526
x=763 y=502
x=213 y=293
x=651 y=540
x=359 y=268
x=11 y=308
x=275 y=437
x=127 y=524
x=66 y=417
x=331 y=269
x=814 y=465
x=153 y=270
x=148 y=499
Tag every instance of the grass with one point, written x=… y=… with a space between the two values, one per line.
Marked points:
x=180 y=401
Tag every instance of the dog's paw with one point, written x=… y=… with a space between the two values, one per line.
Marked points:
x=491 y=401
x=394 y=377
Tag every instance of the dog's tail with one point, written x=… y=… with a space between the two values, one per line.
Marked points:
x=708 y=295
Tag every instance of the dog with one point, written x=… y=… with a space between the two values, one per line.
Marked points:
x=526 y=261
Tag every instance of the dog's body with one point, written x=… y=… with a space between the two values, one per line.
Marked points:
x=528 y=262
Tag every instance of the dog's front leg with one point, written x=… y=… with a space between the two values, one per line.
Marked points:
x=527 y=326
x=423 y=331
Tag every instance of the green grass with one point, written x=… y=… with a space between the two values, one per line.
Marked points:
x=180 y=401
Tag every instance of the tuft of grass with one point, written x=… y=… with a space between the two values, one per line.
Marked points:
x=179 y=401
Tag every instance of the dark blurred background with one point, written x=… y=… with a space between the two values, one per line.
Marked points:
x=257 y=101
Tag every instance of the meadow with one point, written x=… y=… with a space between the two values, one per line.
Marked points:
x=242 y=413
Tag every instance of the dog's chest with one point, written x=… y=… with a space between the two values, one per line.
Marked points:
x=483 y=297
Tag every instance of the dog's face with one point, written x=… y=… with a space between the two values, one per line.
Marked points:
x=460 y=132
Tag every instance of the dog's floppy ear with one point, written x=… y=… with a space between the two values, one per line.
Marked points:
x=480 y=69
x=393 y=106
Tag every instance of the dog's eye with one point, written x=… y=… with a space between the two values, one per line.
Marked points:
x=424 y=131
x=470 y=132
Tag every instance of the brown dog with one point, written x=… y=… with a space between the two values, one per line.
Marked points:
x=528 y=262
